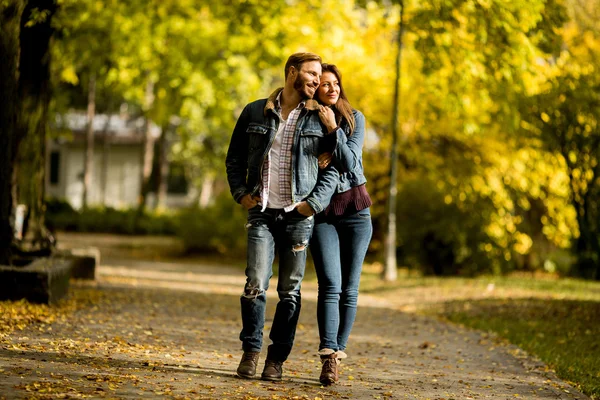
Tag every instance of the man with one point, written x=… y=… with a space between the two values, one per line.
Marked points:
x=272 y=169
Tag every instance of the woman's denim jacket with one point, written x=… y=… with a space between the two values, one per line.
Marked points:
x=252 y=139
x=347 y=154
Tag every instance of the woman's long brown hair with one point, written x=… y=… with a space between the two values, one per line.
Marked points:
x=343 y=109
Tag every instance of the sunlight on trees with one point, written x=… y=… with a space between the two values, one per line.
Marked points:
x=499 y=159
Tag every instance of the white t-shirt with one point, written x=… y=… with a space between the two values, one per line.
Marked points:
x=273 y=198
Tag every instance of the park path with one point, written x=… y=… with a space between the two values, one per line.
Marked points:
x=169 y=330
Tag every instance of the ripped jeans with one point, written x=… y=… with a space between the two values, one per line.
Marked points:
x=287 y=234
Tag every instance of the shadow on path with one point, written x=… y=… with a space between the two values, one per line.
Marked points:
x=140 y=338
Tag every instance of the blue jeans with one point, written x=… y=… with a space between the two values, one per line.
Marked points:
x=287 y=234
x=338 y=248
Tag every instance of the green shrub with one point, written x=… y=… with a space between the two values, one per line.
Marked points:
x=441 y=238
x=58 y=206
x=441 y=235
x=61 y=216
x=218 y=228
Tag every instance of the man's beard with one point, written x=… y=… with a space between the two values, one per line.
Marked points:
x=302 y=89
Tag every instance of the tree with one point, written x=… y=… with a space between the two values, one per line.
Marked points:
x=35 y=95
x=85 y=51
x=391 y=263
x=88 y=164
x=565 y=115
x=471 y=65
x=10 y=23
x=469 y=70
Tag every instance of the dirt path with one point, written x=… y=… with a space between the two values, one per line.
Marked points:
x=170 y=330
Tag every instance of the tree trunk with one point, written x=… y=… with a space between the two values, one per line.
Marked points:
x=105 y=160
x=163 y=168
x=390 y=271
x=206 y=193
x=35 y=94
x=147 y=155
x=88 y=166
x=10 y=20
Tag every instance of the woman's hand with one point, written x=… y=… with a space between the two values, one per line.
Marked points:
x=327 y=118
x=325 y=160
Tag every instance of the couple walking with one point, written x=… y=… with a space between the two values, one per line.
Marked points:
x=295 y=163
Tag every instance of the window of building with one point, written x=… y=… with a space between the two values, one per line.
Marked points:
x=54 y=167
x=177 y=182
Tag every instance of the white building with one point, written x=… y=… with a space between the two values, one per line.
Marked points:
x=116 y=175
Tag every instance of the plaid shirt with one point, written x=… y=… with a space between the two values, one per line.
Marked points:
x=285 y=161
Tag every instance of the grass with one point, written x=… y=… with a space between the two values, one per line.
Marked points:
x=562 y=333
x=557 y=320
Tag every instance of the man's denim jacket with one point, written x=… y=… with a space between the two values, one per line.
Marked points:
x=252 y=139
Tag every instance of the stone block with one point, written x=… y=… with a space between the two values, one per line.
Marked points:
x=85 y=261
x=45 y=280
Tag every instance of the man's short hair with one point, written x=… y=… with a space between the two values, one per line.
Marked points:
x=297 y=59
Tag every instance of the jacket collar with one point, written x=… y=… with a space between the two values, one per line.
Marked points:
x=311 y=104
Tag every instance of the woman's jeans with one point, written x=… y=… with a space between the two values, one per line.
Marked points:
x=338 y=248
x=287 y=234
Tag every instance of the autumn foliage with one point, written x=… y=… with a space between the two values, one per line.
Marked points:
x=498 y=113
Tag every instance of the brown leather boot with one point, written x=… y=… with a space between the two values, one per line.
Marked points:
x=273 y=370
x=247 y=367
x=329 y=372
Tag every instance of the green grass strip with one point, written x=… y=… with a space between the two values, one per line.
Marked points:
x=565 y=334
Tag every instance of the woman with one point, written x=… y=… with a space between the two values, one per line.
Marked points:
x=343 y=231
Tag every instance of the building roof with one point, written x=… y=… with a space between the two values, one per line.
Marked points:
x=118 y=128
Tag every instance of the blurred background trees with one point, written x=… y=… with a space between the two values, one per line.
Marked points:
x=499 y=142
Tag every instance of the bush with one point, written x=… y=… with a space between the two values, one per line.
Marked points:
x=61 y=216
x=57 y=206
x=441 y=238
x=442 y=235
x=218 y=228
